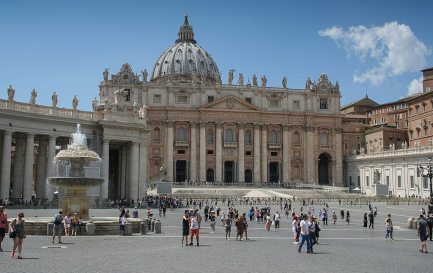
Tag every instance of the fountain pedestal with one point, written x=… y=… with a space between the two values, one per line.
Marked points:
x=76 y=200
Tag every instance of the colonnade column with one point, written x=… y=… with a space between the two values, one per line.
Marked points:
x=134 y=162
x=142 y=178
x=105 y=167
x=49 y=191
x=286 y=156
x=41 y=172
x=169 y=145
x=257 y=177
x=218 y=154
x=264 y=153
x=193 y=155
x=310 y=164
x=28 y=171
x=241 y=153
x=6 y=165
x=18 y=181
x=202 y=151
x=338 y=178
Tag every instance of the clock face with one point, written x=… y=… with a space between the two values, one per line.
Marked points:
x=425 y=172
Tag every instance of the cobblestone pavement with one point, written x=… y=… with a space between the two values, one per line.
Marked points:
x=342 y=248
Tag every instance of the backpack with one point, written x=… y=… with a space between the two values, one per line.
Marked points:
x=58 y=220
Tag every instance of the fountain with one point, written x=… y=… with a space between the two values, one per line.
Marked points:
x=70 y=165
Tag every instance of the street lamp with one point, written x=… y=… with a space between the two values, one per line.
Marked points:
x=427 y=171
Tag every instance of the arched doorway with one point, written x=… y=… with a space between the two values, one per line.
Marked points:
x=181 y=173
x=210 y=175
x=324 y=168
x=229 y=171
x=248 y=176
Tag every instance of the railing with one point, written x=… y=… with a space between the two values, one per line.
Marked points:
x=325 y=146
x=274 y=146
x=230 y=144
x=181 y=143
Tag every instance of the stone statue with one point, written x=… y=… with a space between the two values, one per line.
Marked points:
x=105 y=74
x=264 y=80
x=142 y=112
x=194 y=77
x=11 y=93
x=144 y=73
x=404 y=145
x=376 y=177
x=241 y=79
x=218 y=78
x=94 y=104
x=135 y=106
x=107 y=104
x=308 y=84
x=75 y=102
x=284 y=82
x=119 y=97
x=230 y=78
x=337 y=87
x=163 y=173
x=254 y=80
x=54 y=99
x=33 y=96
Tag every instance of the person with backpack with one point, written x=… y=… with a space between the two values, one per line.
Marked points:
x=57 y=230
x=423 y=233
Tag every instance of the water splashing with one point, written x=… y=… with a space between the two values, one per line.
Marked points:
x=79 y=138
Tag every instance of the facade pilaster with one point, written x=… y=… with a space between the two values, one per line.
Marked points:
x=338 y=178
x=257 y=177
x=133 y=171
x=105 y=167
x=169 y=160
x=264 y=153
x=28 y=171
x=41 y=172
x=202 y=151
x=241 y=153
x=310 y=165
x=49 y=189
x=18 y=182
x=286 y=154
x=142 y=179
x=218 y=154
x=193 y=153
x=6 y=165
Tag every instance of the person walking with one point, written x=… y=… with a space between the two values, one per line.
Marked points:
x=57 y=229
x=240 y=225
x=277 y=219
x=334 y=217
x=17 y=231
x=423 y=233
x=365 y=220
x=371 y=218
x=295 y=224
x=325 y=217
x=268 y=223
x=228 y=226
x=212 y=221
x=388 y=223
x=194 y=228
x=348 y=217
x=388 y=229
x=3 y=224
x=342 y=215
x=304 y=234
x=185 y=227
x=430 y=225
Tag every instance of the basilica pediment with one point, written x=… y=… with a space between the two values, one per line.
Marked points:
x=230 y=103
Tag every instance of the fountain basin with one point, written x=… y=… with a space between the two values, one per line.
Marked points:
x=76 y=182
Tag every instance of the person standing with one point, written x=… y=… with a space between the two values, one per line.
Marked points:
x=388 y=229
x=391 y=227
x=67 y=224
x=185 y=227
x=295 y=224
x=348 y=217
x=122 y=223
x=212 y=221
x=342 y=215
x=430 y=225
x=365 y=220
x=194 y=228
x=57 y=229
x=325 y=217
x=3 y=224
x=423 y=233
x=334 y=217
x=17 y=231
x=228 y=226
x=277 y=219
x=304 y=234
x=371 y=218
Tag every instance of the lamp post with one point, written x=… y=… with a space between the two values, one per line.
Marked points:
x=427 y=171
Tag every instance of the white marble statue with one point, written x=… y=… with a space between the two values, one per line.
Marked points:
x=142 y=112
x=144 y=73
x=119 y=97
x=94 y=104
x=54 y=100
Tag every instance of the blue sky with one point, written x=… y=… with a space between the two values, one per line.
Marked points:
x=374 y=47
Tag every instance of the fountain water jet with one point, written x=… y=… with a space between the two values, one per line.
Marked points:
x=75 y=181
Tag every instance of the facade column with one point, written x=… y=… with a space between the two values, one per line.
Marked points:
x=241 y=153
x=6 y=166
x=264 y=153
x=105 y=167
x=28 y=171
x=338 y=178
x=41 y=172
x=202 y=151
x=142 y=179
x=287 y=165
x=133 y=171
x=18 y=181
x=51 y=172
x=218 y=154
x=310 y=164
x=169 y=160
x=193 y=156
x=257 y=177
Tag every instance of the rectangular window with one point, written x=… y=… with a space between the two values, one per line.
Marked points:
x=367 y=181
x=182 y=99
x=127 y=95
x=210 y=98
x=247 y=152
x=274 y=153
x=180 y=152
x=350 y=180
x=274 y=103
x=412 y=181
x=359 y=181
x=425 y=183
x=210 y=152
x=249 y=100
x=296 y=104
x=399 y=181
x=387 y=180
x=323 y=103
x=156 y=98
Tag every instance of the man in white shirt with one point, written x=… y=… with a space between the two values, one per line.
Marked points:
x=304 y=233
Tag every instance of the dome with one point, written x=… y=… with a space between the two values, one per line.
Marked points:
x=186 y=61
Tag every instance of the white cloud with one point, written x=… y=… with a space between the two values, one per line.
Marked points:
x=415 y=86
x=393 y=46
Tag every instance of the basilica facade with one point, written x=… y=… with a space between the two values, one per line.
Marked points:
x=182 y=120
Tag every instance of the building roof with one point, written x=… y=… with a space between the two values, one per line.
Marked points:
x=366 y=101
